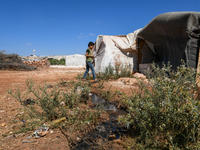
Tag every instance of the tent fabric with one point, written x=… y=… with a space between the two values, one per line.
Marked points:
x=115 y=50
x=75 y=60
x=174 y=36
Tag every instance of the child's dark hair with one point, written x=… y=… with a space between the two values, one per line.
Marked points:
x=90 y=44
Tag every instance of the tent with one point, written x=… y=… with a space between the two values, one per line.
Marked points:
x=170 y=37
x=115 y=50
x=75 y=60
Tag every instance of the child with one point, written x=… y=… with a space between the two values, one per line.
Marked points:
x=89 y=58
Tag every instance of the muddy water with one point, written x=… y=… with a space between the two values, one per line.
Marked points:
x=105 y=131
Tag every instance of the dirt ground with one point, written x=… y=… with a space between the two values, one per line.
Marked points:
x=9 y=107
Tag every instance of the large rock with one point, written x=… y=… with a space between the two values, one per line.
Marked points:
x=139 y=76
x=133 y=81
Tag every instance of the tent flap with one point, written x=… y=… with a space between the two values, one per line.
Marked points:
x=175 y=37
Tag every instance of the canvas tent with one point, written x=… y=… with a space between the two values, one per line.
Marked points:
x=115 y=50
x=75 y=60
x=170 y=37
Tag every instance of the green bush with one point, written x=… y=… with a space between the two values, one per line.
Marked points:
x=166 y=111
x=62 y=61
x=57 y=62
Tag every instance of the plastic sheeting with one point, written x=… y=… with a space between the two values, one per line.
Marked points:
x=174 y=36
x=75 y=60
x=116 y=50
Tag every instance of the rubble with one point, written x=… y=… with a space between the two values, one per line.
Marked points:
x=139 y=76
x=38 y=64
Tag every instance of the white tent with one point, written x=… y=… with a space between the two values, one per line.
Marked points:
x=116 y=50
x=75 y=60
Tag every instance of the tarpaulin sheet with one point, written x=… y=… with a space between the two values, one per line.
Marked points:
x=115 y=50
x=175 y=36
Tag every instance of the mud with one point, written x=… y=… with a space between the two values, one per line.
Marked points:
x=106 y=131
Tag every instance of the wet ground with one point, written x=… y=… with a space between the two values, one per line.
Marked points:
x=106 y=131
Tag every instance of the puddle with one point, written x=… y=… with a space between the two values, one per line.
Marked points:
x=106 y=131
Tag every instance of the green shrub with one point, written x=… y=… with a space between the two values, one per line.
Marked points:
x=57 y=62
x=62 y=61
x=166 y=111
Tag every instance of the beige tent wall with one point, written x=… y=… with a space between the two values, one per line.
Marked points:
x=116 y=50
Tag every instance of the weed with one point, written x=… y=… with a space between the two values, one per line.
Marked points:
x=101 y=85
x=166 y=112
x=51 y=104
x=48 y=102
x=110 y=72
x=115 y=72
x=106 y=94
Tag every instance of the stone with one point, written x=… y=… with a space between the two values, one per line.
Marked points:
x=112 y=136
x=139 y=76
x=117 y=141
x=3 y=124
x=100 y=128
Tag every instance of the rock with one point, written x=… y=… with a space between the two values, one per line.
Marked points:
x=104 y=116
x=128 y=81
x=38 y=64
x=100 y=128
x=139 y=76
x=117 y=141
x=62 y=103
x=51 y=131
x=3 y=124
x=49 y=86
x=79 y=89
x=78 y=139
x=133 y=81
x=112 y=136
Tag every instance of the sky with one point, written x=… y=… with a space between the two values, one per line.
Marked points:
x=65 y=27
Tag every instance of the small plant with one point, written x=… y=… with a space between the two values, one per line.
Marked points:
x=166 y=112
x=115 y=72
x=106 y=94
x=101 y=85
x=49 y=102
